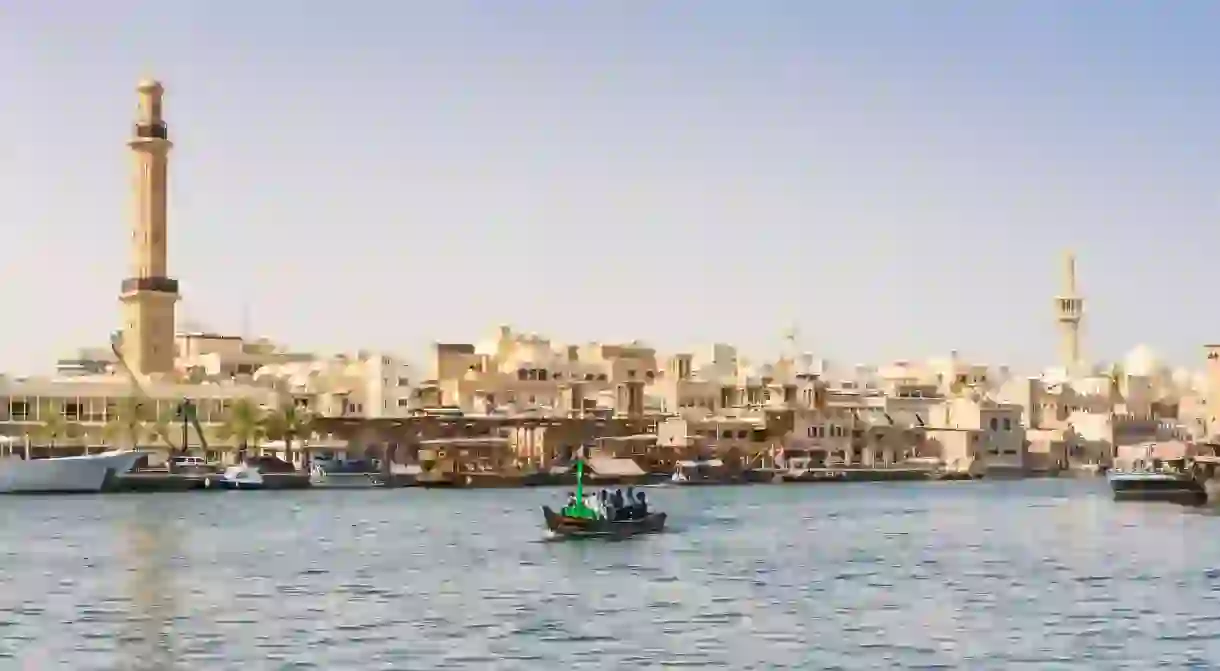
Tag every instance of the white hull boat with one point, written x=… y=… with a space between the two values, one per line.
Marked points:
x=88 y=473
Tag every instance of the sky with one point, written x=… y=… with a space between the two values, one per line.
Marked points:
x=897 y=178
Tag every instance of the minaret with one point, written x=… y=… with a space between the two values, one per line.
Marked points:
x=1069 y=309
x=149 y=294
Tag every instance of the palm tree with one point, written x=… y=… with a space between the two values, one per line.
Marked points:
x=55 y=427
x=288 y=422
x=243 y=425
x=128 y=423
x=162 y=427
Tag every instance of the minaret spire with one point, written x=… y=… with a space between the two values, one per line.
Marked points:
x=1069 y=311
x=149 y=294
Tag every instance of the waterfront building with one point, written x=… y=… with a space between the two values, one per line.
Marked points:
x=520 y=372
x=976 y=434
x=152 y=362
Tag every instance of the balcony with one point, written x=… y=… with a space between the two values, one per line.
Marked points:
x=152 y=131
x=164 y=285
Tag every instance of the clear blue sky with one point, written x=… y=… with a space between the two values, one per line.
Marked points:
x=898 y=177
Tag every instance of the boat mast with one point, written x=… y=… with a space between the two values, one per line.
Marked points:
x=580 y=477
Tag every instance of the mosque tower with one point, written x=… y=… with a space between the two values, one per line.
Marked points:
x=148 y=294
x=1069 y=309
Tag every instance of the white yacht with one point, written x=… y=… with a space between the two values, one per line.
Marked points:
x=88 y=473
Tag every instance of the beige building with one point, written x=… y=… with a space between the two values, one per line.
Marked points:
x=974 y=434
x=516 y=372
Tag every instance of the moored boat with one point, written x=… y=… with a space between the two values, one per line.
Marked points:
x=1156 y=472
x=1148 y=485
x=63 y=475
x=703 y=472
x=263 y=473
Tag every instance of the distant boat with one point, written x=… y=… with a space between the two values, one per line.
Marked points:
x=83 y=474
x=263 y=473
x=1144 y=483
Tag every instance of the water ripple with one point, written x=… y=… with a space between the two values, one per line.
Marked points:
x=1031 y=575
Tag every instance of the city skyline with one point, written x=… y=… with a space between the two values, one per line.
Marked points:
x=674 y=176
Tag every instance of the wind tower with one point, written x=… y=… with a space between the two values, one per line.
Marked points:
x=148 y=293
x=1069 y=310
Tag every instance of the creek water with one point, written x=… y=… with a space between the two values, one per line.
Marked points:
x=1037 y=574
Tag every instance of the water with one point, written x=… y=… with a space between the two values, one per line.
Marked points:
x=1040 y=575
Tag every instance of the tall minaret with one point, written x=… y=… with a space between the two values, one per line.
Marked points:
x=1069 y=309
x=149 y=294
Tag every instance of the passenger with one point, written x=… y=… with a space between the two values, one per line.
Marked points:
x=603 y=504
x=571 y=499
x=642 y=506
x=616 y=501
x=632 y=506
x=591 y=501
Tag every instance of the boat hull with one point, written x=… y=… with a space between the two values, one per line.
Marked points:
x=348 y=481
x=571 y=527
x=1170 y=489
x=65 y=475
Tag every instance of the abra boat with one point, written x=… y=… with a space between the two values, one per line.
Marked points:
x=580 y=521
x=583 y=527
x=1149 y=484
x=63 y=475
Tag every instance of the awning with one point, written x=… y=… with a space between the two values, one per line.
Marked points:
x=614 y=467
x=710 y=463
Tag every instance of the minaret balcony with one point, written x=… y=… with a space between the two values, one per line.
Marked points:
x=152 y=131
x=161 y=285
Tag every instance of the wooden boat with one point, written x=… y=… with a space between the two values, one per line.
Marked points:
x=579 y=521
x=578 y=527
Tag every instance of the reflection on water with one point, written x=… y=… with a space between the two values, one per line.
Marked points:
x=151 y=546
x=1037 y=575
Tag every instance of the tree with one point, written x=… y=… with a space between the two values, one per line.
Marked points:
x=55 y=427
x=243 y=424
x=162 y=427
x=127 y=424
x=288 y=422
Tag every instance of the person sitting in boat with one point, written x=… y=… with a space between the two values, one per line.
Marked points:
x=641 y=505
x=603 y=504
x=571 y=499
x=632 y=511
x=616 y=502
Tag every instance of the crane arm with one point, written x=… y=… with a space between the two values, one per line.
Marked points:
x=138 y=386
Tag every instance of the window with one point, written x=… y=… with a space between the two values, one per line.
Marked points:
x=523 y=374
x=72 y=411
x=995 y=424
x=726 y=434
x=742 y=435
x=542 y=375
x=649 y=375
x=601 y=377
x=1007 y=424
x=19 y=410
